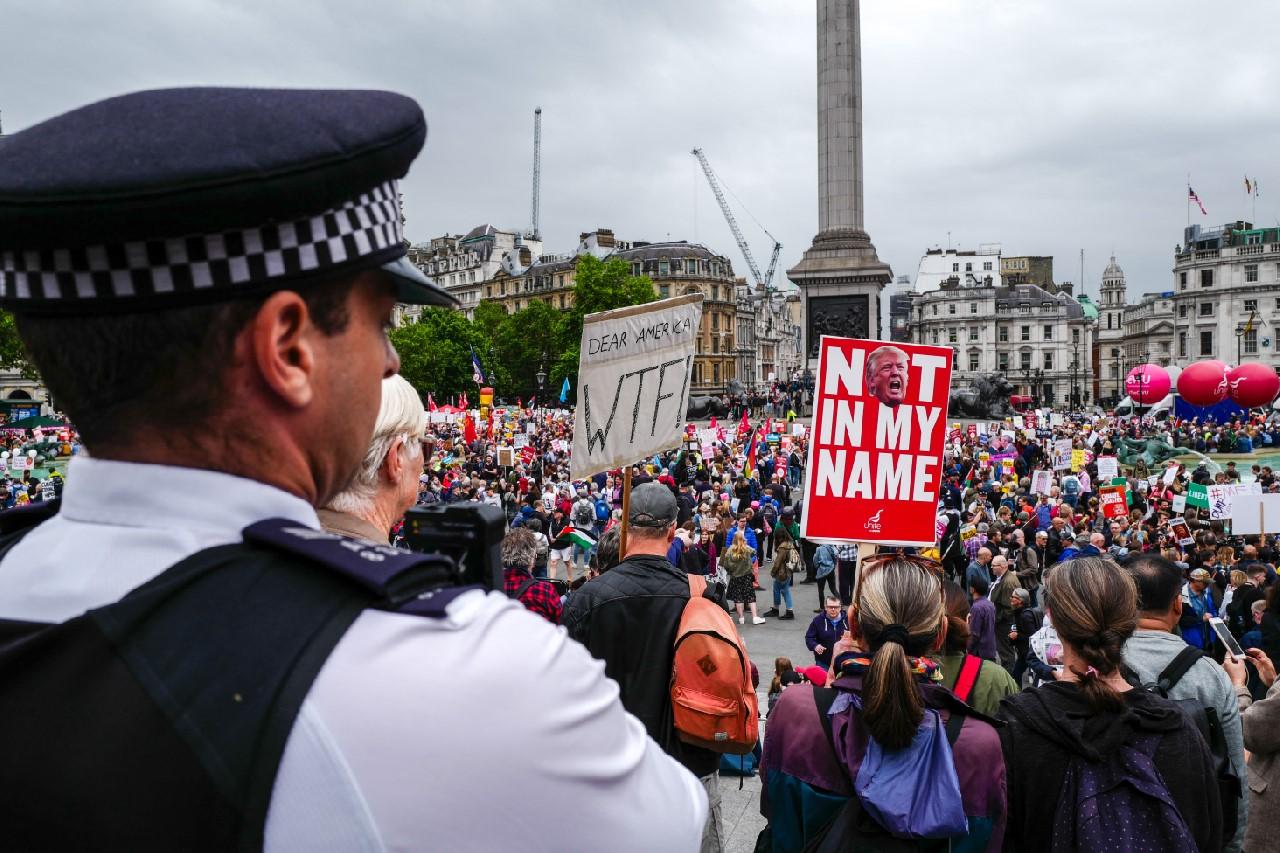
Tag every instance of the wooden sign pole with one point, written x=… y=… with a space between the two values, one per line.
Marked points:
x=626 y=512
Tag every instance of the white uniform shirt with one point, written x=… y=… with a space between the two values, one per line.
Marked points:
x=486 y=730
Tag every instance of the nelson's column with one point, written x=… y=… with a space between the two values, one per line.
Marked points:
x=839 y=276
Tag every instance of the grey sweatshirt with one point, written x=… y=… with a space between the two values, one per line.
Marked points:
x=1148 y=652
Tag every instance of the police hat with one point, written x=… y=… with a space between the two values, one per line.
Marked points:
x=176 y=196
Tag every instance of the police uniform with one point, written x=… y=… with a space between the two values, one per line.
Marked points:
x=463 y=724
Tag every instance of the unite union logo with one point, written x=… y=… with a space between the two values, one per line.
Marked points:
x=873 y=523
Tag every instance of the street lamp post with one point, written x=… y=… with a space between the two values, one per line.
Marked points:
x=1239 y=339
x=541 y=376
x=1075 y=387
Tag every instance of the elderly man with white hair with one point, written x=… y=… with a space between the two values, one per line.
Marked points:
x=387 y=483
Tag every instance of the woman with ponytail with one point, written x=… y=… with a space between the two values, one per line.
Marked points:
x=886 y=754
x=1091 y=723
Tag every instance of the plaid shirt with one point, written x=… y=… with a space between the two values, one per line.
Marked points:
x=540 y=597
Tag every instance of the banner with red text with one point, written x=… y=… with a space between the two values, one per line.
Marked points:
x=875 y=452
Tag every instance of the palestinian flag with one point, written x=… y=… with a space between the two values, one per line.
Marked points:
x=574 y=536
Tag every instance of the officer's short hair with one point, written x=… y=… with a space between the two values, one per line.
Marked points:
x=113 y=372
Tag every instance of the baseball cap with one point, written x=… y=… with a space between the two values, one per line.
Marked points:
x=816 y=675
x=1200 y=575
x=652 y=505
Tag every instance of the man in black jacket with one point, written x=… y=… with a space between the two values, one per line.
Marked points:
x=628 y=617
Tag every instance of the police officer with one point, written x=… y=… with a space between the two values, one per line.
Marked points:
x=204 y=278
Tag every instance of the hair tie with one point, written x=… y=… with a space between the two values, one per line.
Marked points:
x=895 y=633
x=1090 y=672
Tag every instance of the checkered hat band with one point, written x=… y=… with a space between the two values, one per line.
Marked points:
x=365 y=226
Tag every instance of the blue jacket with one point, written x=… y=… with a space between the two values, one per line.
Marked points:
x=824 y=560
x=823 y=632
x=746 y=531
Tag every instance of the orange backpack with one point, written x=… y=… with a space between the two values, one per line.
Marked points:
x=712 y=696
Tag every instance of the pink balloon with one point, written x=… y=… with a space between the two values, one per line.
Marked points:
x=1204 y=383
x=1253 y=384
x=1147 y=384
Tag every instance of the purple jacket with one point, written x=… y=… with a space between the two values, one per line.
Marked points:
x=796 y=760
x=982 y=630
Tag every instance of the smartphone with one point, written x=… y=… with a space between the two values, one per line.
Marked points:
x=1228 y=639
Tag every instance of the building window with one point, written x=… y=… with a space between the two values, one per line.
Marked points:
x=1075 y=336
x=1026 y=361
x=951 y=308
x=973 y=308
x=1250 y=272
x=1206 y=343
x=973 y=361
x=1026 y=333
x=1115 y=352
x=664 y=290
x=1206 y=278
x=1251 y=305
x=1182 y=311
x=1048 y=361
x=1003 y=332
x=1048 y=333
x=1251 y=342
x=973 y=333
x=935 y=336
x=968 y=267
x=1182 y=280
x=1002 y=361
x=986 y=266
x=1206 y=309
x=955 y=268
x=715 y=322
x=951 y=336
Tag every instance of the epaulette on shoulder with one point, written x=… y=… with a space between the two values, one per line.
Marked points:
x=22 y=519
x=399 y=579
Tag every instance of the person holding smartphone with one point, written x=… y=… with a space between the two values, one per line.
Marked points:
x=1261 y=726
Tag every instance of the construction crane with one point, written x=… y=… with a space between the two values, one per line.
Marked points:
x=765 y=281
x=534 y=232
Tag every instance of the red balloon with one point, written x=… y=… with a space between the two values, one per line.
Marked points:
x=1147 y=384
x=1253 y=384
x=1204 y=383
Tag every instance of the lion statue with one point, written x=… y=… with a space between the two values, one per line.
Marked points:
x=986 y=397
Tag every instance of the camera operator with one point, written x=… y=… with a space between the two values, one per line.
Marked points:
x=204 y=279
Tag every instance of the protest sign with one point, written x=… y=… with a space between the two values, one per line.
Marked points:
x=1181 y=532
x=972 y=430
x=1222 y=495
x=634 y=369
x=1041 y=482
x=520 y=440
x=506 y=456
x=1018 y=421
x=875 y=456
x=1170 y=474
x=1197 y=496
x=1179 y=503
x=1077 y=460
x=797 y=430
x=1108 y=467
x=1254 y=514
x=1114 y=503
x=528 y=454
x=1062 y=454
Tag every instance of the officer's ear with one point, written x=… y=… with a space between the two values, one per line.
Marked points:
x=281 y=349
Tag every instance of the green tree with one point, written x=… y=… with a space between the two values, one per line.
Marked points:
x=435 y=353
x=598 y=286
x=13 y=355
x=526 y=341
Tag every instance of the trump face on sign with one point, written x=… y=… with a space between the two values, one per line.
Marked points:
x=887 y=375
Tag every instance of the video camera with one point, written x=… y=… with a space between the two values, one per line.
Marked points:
x=470 y=535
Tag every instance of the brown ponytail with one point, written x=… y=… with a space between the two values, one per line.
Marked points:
x=1094 y=604
x=899 y=614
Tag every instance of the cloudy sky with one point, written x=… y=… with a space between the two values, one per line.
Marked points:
x=1044 y=125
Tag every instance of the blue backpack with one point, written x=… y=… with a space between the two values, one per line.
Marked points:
x=1109 y=805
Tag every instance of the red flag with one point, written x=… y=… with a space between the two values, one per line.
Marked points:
x=714 y=425
x=468 y=429
x=431 y=403
x=745 y=426
x=749 y=467
x=462 y=404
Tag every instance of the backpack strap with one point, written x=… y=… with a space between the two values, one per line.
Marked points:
x=968 y=677
x=1178 y=667
x=824 y=698
x=518 y=593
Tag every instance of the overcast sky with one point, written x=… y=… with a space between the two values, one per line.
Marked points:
x=1044 y=125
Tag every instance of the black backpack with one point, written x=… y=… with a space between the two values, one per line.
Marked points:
x=1208 y=724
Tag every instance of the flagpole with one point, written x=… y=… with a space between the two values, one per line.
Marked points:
x=626 y=512
x=1187 y=198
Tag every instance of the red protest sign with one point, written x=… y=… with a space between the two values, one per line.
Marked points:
x=1114 y=501
x=875 y=454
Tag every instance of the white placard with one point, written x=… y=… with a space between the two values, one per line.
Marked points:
x=1091 y=439
x=1222 y=497
x=1108 y=468
x=1062 y=454
x=1179 y=503
x=1041 y=482
x=1170 y=474
x=1017 y=421
x=634 y=370
x=797 y=430
x=1255 y=514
